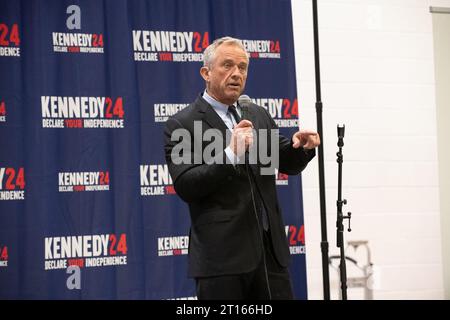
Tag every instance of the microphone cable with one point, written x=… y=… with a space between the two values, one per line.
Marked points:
x=260 y=231
x=245 y=100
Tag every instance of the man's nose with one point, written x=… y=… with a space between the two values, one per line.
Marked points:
x=236 y=73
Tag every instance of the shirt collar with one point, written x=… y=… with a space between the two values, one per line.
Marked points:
x=219 y=107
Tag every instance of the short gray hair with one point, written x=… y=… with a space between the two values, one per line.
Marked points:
x=210 y=51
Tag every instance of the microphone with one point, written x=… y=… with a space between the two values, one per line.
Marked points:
x=244 y=101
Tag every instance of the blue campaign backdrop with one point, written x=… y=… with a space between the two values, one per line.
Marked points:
x=85 y=89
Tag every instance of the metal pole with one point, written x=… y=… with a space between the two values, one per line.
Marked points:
x=323 y=212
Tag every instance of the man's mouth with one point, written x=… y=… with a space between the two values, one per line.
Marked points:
x=234 y=85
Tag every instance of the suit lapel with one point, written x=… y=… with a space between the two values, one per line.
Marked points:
x=210 y=116
x=250 y=116
x=213 y=119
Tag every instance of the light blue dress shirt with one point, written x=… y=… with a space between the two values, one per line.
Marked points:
x=222 y=111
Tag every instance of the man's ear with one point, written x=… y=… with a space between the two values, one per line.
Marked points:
x=204 y=72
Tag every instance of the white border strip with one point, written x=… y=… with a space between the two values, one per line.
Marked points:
x=439 y=10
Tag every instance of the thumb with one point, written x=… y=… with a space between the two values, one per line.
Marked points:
x=243 y=124
x=296 y=141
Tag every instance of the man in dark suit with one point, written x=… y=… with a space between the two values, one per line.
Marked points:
x=237 y=246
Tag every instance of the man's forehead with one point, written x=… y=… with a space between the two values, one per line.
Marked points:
x=231 y=51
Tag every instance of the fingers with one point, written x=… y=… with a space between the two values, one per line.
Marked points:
x=296 y=141
x=307 y=139
x=309 y=145
x=242 y=137
x=247 y=135
x=312 y=141
x=244 y=124
x=307 y=132
x=248 y=141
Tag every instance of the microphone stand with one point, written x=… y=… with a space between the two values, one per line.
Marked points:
x=340 y=216
x=323 y=209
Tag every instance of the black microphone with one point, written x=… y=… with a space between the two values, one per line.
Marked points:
x=244 y=101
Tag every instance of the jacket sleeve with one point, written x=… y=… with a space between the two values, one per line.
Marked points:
x=193 y=179
x=292 y=161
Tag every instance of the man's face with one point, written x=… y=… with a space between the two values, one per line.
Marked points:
x=225 y=77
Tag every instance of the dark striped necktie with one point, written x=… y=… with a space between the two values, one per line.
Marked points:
x=233 y=111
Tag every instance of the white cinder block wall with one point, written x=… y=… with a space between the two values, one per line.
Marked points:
x=378 y=78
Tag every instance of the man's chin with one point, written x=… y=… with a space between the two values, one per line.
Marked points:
x=234 y=95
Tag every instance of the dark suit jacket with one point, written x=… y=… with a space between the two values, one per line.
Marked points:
x=224 y=235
